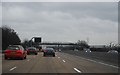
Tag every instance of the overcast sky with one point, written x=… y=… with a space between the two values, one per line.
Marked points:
x=63 y=21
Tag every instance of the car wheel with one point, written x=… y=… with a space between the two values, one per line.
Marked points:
x=53 y=55
x=22 y=58
x=5 y=58
x=35 y=53
x=25 y=57
x=44 y=55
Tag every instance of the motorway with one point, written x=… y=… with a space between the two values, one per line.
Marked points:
x=62 y=63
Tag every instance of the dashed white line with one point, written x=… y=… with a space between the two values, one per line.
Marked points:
x=64 y=61
x=28 y=60
x=58 y=57
x=34 y=56
x=77 y=70
x=13 y=68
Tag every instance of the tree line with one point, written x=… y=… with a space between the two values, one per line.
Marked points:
x=9 y=37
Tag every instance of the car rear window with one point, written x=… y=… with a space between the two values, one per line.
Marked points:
x=49 y=49
x=13 y=48
x=31 y=48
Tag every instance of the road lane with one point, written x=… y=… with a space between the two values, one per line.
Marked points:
x=8 y=64
x=38 y=64
x=87 y=66
x=62 y=63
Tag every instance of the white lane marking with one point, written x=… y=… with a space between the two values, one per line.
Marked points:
x=100 y=63
x=34 y=56
x=13 y=68
x=77 y=70
x=64 y=61
x=97 y=62
x=28 y=60
x=58 y=57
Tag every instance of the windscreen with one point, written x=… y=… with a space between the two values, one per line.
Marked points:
x=31 y=48
x=13 y=48
x=51 y=49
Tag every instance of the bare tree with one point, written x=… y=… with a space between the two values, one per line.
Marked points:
x=9 y=37
x=83 y=43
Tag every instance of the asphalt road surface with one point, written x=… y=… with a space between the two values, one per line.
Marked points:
x=62 y=63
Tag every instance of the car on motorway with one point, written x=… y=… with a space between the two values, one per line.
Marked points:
x=86 y=50
x=76 y=50
x=49 y=51
x=59 y=50
x=15 y=51
x=32 y=50
x=113 y=51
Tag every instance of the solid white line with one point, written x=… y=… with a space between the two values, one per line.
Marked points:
x=100 y=63
x=77 y=70
x=64 y=61
x=13 y=68
x=108 y=65
x=97 y=62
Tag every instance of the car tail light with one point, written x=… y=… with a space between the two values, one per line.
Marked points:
x=45 y=50
x=7 y=51
x=27 y=50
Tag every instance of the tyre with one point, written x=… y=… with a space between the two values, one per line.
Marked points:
x=53 y=55
x=5 y=58
x=35 y=53
x=22 y=58
x=25 y=57
x=44 y=55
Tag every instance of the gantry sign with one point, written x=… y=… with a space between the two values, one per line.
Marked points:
x=37 y=40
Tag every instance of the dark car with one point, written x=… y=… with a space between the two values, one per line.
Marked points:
x=32 y=50
x=49 y=51
x=15 y=51
x=86 y=50
x=113 y=51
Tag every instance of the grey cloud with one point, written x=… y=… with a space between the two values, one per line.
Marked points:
x=63 y=21
x=97 y=9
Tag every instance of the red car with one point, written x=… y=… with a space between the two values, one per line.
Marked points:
x=32 y=50
x=15 y=51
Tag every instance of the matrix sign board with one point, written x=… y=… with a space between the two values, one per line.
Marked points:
x=37 y=39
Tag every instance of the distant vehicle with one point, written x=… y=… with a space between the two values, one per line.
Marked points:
x=59 y=50
x=15 y=51
x=87 y=50
x=32 y=50
x=76 y=50
x=113 y=51
x=49 y=51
